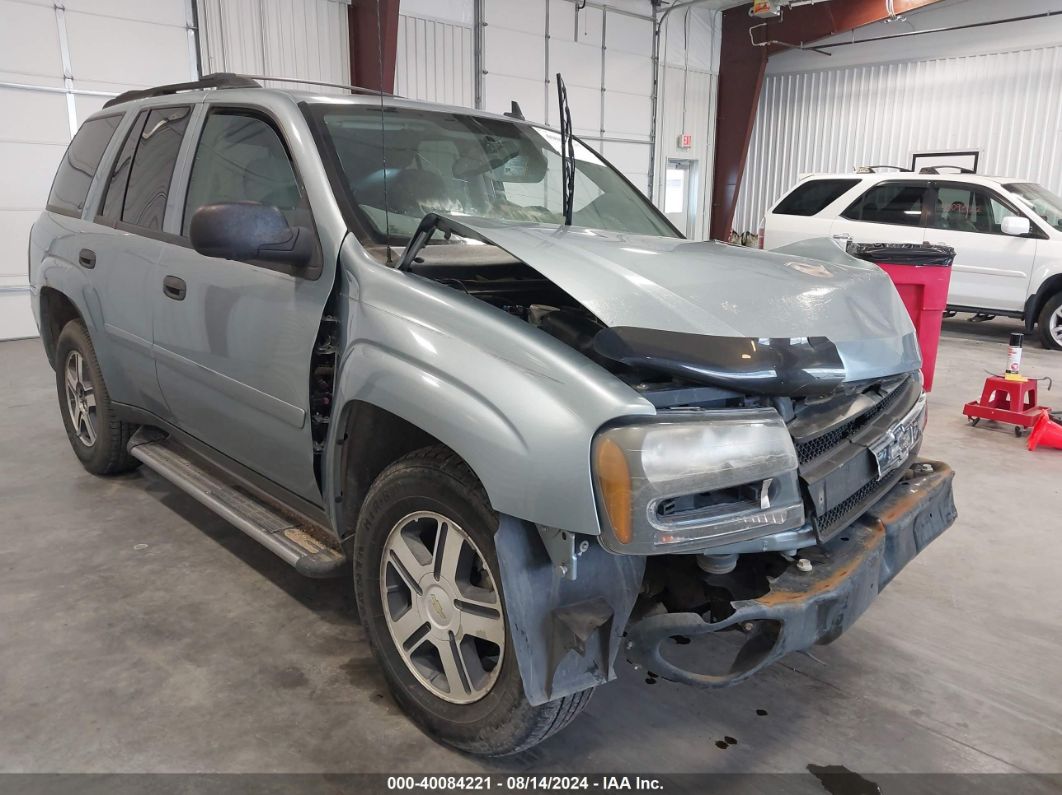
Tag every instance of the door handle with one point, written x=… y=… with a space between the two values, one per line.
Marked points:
x=174 y=287
x=87 y=258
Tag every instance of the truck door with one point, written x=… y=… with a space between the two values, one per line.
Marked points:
x=234 y=340
x=991 y=269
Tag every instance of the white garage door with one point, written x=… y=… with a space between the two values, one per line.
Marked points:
x=59 y=62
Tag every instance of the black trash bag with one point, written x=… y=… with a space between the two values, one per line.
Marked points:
x=903 y=253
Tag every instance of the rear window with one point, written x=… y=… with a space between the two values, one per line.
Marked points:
x=810 y=197
x=152 y=168
x=896 y=203
x=82 y=158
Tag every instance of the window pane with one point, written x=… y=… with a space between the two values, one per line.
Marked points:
x=152 y=168
x=811 y=197
x=82 y=158
x=889 y=203
x=119 y=177
x=240 y=157
x=675 y=189
x=964 y=208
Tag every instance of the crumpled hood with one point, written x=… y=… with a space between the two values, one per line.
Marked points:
x=714 y=289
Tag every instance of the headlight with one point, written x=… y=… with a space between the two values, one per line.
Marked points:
x=694 y=480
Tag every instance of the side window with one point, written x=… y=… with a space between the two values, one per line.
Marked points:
x=241 y=157
x=79 y=164
x=152 y=167
x=813 y=196
x=119 y=177
x=896 y=203
x=968 y=208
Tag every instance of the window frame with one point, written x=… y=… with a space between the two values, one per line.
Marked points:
x=928 y=197
x=804 y=184
x=1035 y=233
x=53 y=208
x=140 y=115
x=311 y=271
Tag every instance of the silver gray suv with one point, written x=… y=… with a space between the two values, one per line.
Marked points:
x=460 y=354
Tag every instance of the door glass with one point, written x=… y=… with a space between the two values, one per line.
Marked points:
x=152 y=167
x=894 y=203
x=967 y=208
x=82 y=158
x=813 y=196
x=241 y=157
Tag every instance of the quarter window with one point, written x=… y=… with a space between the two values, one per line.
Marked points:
x=896 y=203
x=810 y=198
x=71 y=185
x=152 y=167
x=241 y=157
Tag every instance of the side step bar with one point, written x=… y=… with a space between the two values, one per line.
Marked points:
x=285 y=535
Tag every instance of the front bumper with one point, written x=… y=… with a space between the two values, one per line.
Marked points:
x=805 y=608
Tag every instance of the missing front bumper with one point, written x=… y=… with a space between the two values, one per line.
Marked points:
x=805 y=608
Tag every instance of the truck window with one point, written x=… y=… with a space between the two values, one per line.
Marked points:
x=897 y=203
x=813 y=196
x=968 y=208
x=152 y=167
x=79 y=164
x=240 y=157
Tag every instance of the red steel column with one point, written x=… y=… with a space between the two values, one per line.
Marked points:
x=373 y=37
x=741 y=70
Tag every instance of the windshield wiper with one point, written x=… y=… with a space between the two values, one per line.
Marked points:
x=567 y=152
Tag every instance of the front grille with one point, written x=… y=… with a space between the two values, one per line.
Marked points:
x=821 y=445
x=842 y=514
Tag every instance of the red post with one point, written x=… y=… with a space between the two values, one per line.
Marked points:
x=373 y=31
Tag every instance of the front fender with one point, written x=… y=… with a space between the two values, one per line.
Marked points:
x=518 y=406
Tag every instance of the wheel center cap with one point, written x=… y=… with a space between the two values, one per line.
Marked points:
x=439 y=607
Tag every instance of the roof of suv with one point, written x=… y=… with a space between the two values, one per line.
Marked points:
x=881 y=176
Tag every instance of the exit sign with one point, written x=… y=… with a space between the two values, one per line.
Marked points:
x=685 y=141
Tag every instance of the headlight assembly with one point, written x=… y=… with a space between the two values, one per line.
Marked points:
x=695 y=480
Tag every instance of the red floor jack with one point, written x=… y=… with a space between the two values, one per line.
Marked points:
x=1009 y=398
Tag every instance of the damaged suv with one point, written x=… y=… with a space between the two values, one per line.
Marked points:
x=461 y=354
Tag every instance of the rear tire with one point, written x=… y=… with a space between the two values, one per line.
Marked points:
x=1049 y=324
x=99 y=439
x=419 y=499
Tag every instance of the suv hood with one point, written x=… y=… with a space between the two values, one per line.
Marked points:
x=712 y=289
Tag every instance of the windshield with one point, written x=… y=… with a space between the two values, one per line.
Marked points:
x=458 y=164
x=1040 y=200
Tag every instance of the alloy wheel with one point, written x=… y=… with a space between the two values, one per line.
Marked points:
x=442 y=607
x=1055 y=325
x=80 y=398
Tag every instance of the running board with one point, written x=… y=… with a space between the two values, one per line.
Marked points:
x=290 y=538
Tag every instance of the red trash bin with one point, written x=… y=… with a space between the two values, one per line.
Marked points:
x=921 y=274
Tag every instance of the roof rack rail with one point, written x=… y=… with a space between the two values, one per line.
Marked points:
x=874 y=169
x=215 y=80
x=936 y=169
x=350 y=88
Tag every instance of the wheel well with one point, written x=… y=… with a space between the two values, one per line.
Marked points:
x=56 y=311
x=1049 y=288
x=373 y=438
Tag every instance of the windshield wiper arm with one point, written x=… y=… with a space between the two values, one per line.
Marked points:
x=567 y=152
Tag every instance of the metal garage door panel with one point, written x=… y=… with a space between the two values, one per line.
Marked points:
x=150 y=53
x=627 y=72
x=627 y=115
x=500 y=90
x=33 y=117
x=522 y=15
x=29 y=45
x=629 y=34
x=164 y=13
x=579 y=64
x=515 y=54
x=28 y=170
x=585 y=105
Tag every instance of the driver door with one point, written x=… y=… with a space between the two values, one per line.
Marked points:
x=234 y=340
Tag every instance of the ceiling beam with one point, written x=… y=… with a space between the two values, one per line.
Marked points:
x=742 y=67
x=373 y=30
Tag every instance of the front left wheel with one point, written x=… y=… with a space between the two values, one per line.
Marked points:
x=428 y=589
x=98 y=437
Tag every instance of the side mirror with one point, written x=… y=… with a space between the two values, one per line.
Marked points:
x=1013 y=225
x=249 y=231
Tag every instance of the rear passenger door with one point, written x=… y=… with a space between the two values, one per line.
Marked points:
x=234 y=340
x=126 y=246
x=895 y=211
x=799 y=216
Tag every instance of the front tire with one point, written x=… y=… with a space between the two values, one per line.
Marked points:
x=98 y=437
x=430 y=598
x=1049 y=324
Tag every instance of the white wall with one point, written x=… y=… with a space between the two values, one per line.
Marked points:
x=604 y=53
x=58 y=64
x=995 y=89
x=307 y=39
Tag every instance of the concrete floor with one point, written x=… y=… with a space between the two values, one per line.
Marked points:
x=138 y=632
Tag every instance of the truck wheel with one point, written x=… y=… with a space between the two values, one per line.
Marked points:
x=99 y=439
x=430 y=599
x=1049 y=323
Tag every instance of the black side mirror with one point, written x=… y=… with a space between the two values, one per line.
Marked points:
x=250 y=231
